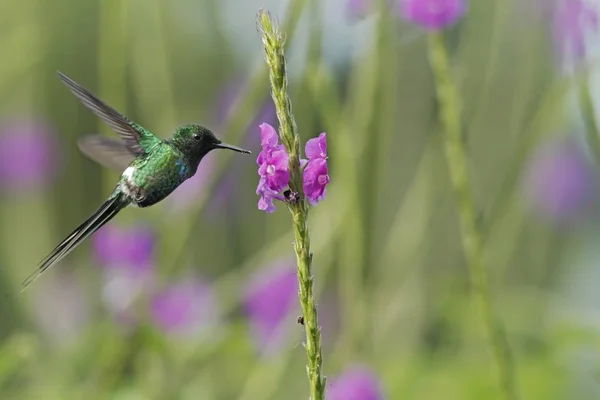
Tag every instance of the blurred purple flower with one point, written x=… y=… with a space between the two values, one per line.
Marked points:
x=355 y=383
x=573 y=19
x=270 y=298
x=61 y=307
x=432 y=14
x=560 y=181
x=127 y=255
x=273 y=169
x=131 y=248
x=29 y=156
x=358 y=8
x=316 y=174
x=186 y=308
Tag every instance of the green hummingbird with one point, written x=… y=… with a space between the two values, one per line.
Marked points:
x=152 y=167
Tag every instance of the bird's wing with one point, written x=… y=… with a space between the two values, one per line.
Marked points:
x=137 y=139
x=111 y=153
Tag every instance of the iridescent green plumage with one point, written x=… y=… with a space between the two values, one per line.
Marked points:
x=154 y=168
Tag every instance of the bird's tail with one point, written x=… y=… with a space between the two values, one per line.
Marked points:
x=105 y=213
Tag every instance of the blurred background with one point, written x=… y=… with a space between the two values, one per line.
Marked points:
x=196 y=298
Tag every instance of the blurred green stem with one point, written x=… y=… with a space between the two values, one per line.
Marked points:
x=586 y=102
x=113 y=49
x=274 y=44
x=471 y=236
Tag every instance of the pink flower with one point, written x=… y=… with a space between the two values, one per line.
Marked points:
x=187 y=308
x=265 y=202
x=130 y=248
x=356 y=383
x=272 y=168
x=573 y=19
x=316 y=174
x=433 y=14
x=126 y=256
x=270 y=298
x=316 y=178
x=29 y=155
x=316 y=147
x=560 y=180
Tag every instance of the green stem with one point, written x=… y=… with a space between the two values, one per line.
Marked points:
x=472 y=238
x=586 y=103
x=274 y=44
x=113 y=50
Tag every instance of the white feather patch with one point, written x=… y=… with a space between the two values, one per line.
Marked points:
x=128 y=173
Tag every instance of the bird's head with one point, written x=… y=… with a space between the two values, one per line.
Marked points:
x=195 y=141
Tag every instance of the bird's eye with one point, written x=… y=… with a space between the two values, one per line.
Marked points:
x=197 y=136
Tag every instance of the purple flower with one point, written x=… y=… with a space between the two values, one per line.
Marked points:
x=127 y=255
x=130 y=248
x=433 y=14
x=186 y=308
x=572 y=20
x=273 y=169
x=316 y=147
x=315 y=178
x=28 y=155
x=356 y=383
x=265 y=201
x=560 y=181
x=270 y=298
x=316 y=175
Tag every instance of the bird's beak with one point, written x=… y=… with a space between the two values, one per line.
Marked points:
x=234 y=148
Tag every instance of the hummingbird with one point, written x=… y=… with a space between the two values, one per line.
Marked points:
x=152 y=167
